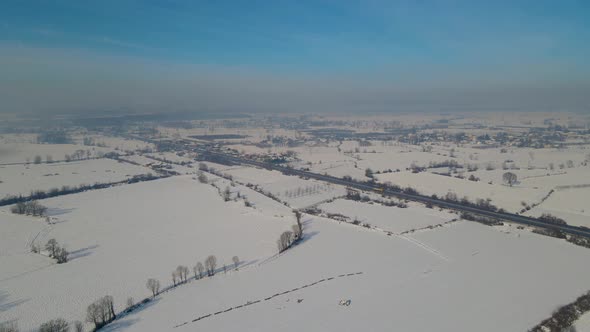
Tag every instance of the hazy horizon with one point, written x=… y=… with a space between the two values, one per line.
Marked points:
x=156 y=56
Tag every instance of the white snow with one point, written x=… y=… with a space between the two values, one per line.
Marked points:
x=393 y=219
x=22 y=179
x=119 y=237
x=296 y=191
x=462 y=277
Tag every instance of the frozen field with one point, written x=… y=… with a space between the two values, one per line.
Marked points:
x=22 y=179
x=573 y=205
x=388 y=218
x=297 y=192
x=502 y=196
x=462 y=277
x=26 y=152
x=118 y=237
x=116 y=143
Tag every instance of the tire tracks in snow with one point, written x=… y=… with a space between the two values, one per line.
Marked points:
x=425 y=247
x=268 y=298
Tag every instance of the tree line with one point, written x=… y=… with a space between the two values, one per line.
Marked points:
x=102 y=311
x=289 y=238
x=32 y=208
x=67 y=190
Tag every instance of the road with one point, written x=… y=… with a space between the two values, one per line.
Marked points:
x=511 y=217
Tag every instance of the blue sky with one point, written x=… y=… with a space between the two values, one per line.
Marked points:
x=374 y=48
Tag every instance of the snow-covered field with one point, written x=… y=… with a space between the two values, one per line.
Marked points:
x=297 y=192
x=401 y=274
x=509 y=198
x=461 y=277
x=573 y=205
x=144 y=160
x=118 y=237
x=116 y=143
x=26 y=152
x=22 y=179
x=392 y=219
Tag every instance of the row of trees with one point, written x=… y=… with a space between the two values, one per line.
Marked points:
x=564 y=317
x=32 y=208
x=288 y=238
x=180 y=274
x=66 y=190
x=101 y=312
x=76 y=155
x=54 y=325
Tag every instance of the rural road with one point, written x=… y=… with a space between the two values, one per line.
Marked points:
x=573 y=230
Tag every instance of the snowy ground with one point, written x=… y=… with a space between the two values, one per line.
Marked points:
x=116 y=143
x=573 y=205
x=392 y=219
x=461 y=277
x=22 y=179
x=299 y=193
x=118 y=237
x=25 y=152
x=506 y=197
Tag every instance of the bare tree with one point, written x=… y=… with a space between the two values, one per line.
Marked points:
x=101 y=312
x=174 y=277
x=226 y=194
x=298 y=229
x=55 y=325
x=31 y=208
x=201 y=269
x=211 y=264
x=570 y=164
x=202 y=177
x=224 y=269
x=154 y=286
x=108 y=306
x=182 y=272
x=9 y=326
x=285 y=241
x=78 y=326
x=19 y=208
x=61 y=255
x=52 y=247
x=296 y=232
x=236 y=261
x=93 y=314
x=509 y=178
x=37 y=159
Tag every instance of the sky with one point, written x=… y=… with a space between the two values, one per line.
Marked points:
x=293 y=56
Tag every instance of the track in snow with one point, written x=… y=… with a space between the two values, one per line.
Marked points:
x=268 y=298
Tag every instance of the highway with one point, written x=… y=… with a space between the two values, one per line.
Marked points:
x=506 y=216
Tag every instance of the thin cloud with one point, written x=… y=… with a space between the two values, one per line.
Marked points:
x=117 y=42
